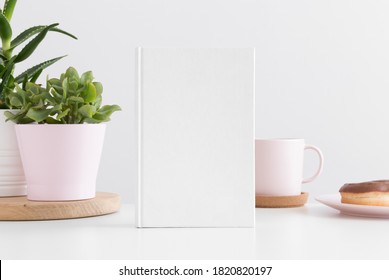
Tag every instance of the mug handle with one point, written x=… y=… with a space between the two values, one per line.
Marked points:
x=321 y=158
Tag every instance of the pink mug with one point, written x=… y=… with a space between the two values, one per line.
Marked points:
x=279 y=166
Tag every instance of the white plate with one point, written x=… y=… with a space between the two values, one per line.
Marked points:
x=333 y=200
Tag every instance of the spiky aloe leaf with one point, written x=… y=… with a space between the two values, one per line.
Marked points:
x=9 y=6
x=6 y=74
x=30 y=32
x=36 y=76
x=33 y=70
x=55 y=29
x=4 y=82
x=33 y=44
x=2 y=56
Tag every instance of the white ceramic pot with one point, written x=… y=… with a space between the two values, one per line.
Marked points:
x=60 y=161
x=12 y=180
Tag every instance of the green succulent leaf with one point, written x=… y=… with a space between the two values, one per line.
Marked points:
x=38 y=115
x=98 y=101
x=92 y=121
x=99 y=88
x=9 y=6
x=40 y=67
x=15 y=102
x=71 y=72
x=65 y=88
x=109 y=109
x=105 y=112
x=87 y=111
x=76 y=99
x=9 y=116
x=101 y=117
x=33 y=88
x=89 y=94
x=63 y=114
x=33 y=44
x=86 y=78
x=51 y=120
x=54 y=82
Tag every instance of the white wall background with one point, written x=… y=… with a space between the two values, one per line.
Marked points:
x=322 y=70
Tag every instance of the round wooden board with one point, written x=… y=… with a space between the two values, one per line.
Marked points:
x=281 y=201
x=18 y=208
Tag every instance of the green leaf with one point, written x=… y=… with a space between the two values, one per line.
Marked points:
x=33 y=70
x=25 y=80
x=33 y=44
x=109 y=109
x=38 y=115
x=76 y=99
x=11 y=82
x=65 y=87
x=51 y=120
x=56 y=109
x=98 y=101
x=73 y=84
x=25 y=121
x=102 y=117
x=99 y=88
x=104 y=113
x=92 y=121
x=26 y=34
x=4 y=69
x=9 y=116
x=32 y=31
x=89 y=94
x=55 y=29
x=48 y=98
x=15 y=102
x=9 y=6
x=56 y=95
x=72 y=72
x=33 y=88
x=87 y=111
x=54 y=82
x=63 y=114
x=5 y=75
x=36 y=76
x=5 y=32
x=2 y=56
x=86 y=78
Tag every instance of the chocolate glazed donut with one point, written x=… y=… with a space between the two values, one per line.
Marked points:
x=374 y=193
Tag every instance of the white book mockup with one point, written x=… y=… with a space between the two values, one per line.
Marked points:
x=196 y=137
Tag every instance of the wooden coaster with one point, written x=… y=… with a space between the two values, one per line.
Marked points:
x=20 y=209
x=281 y=201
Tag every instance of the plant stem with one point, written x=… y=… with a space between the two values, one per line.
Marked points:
x=6 y=49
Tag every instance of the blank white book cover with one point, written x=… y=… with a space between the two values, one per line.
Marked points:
x=196 y=137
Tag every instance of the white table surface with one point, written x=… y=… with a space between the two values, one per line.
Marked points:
x=314 y=231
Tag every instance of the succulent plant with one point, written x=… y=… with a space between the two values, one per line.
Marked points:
x=71 y=99
x=9 y=44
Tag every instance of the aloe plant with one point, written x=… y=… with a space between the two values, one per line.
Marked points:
x=70 y=99
x=7 y=57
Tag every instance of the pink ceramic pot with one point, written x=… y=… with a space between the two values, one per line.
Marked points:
x=60 y=161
